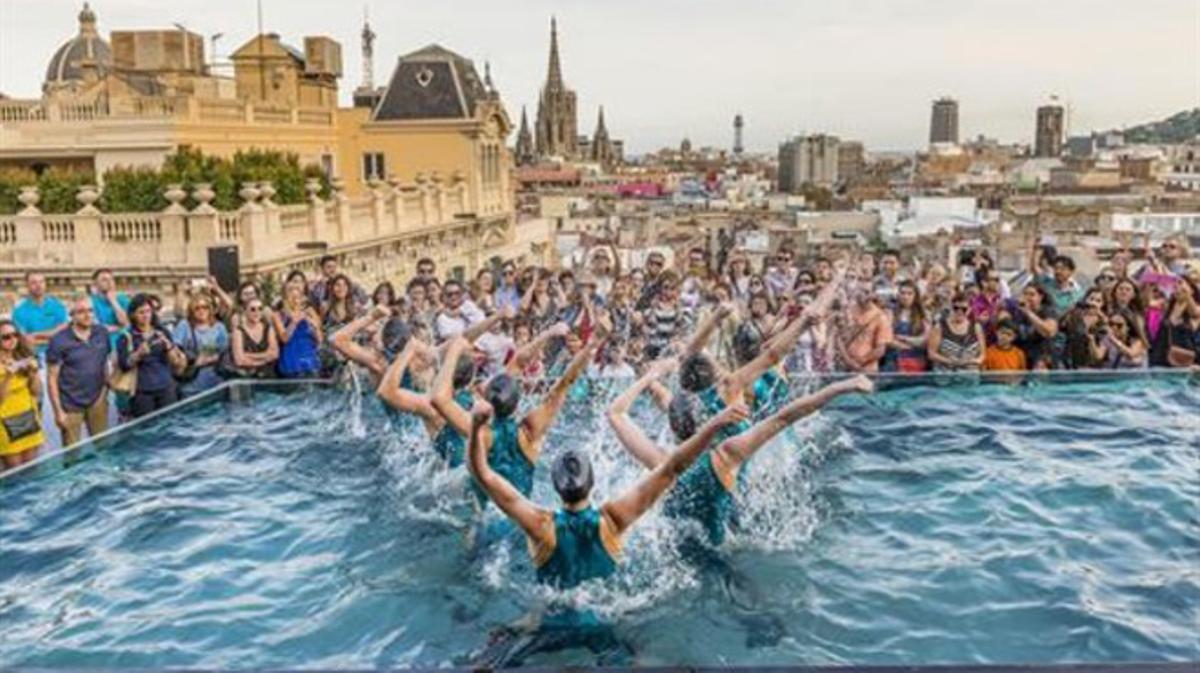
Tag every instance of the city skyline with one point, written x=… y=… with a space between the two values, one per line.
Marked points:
x=869 y=73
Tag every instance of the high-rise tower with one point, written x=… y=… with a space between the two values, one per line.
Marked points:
x=556 y=133
x=1048 y=139
x=943 y=122
x=738 y=125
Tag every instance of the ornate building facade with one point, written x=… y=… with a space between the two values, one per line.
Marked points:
x=421 y=167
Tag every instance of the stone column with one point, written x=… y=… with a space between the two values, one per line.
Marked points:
x=396 y=197
x=343 y=211
x=255 y=234
x=439 y=187
x=423 y=189
x=378 y=207
x=89 y=245
x=317 y=225
x=173 y=220
x=29 y=228
x=203 y=227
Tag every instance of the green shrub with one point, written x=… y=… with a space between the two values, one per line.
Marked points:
x=131 y=189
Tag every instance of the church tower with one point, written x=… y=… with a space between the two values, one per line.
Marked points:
x=557 y=126
x=602 y=147
x=524 y=151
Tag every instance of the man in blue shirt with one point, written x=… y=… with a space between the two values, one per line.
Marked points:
x=108 y=304
x=78 y=374
x=39 y=315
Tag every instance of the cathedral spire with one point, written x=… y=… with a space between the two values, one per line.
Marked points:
x=554 y=77
x=600 y=127
x=524 y=149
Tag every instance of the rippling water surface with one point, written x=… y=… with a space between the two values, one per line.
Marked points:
x=927 y=525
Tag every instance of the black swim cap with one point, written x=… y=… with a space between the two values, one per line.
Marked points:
x=572 y=476
x=747 y=343
x=504 y=394
x=396 y=334
x=684 y=415
x=464 y=371
x=697 y=373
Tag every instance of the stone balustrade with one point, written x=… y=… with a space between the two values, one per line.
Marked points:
x=179 y=108
x=266 y=233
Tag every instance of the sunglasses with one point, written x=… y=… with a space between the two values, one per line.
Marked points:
x=961 y=307
x=1106 y=278
x=1169 y=246
x=254 y=309
x=452 y=294
x=8 y=336
x=654 y=262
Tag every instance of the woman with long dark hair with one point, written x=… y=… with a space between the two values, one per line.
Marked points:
x=910 y=332
x=147 y=349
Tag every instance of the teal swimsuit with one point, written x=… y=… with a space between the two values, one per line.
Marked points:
x=449 y=443
x=700 y=495
x=507 y=459
x=770 y=391
x=713 y=405
x=579 y=552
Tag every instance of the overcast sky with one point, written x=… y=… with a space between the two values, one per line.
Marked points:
x=664 y=69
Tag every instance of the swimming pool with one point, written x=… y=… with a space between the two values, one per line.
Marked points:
x=941 y=524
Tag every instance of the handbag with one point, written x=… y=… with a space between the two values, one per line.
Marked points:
x=186 y=371
x=22 y=425
x=124 y=382
x=1178 y=356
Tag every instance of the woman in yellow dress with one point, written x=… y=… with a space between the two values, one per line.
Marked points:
x=20 y=388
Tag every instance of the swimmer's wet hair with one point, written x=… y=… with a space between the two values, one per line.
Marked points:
x=396 y=334
x=464 y=371
x=747 y=343
x=697 y=372
x=684 y=414
x=504 y=394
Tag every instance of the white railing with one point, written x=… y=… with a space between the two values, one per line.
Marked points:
x=58 y=229
x=161 y=107
x=131 y=228
x=229 y=227
x=265 y=233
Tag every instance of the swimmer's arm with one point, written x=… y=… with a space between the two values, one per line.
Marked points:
x=393 y=395
x=480 y=328
x=737 y=450
x=628 y=507
x=531 y=518
x=516 y=365
x=343 y=340
x=630 y=435
x=706 y=329
x=539 y=420
x=443 y=388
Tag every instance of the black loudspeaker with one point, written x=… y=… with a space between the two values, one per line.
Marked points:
x=223 y=265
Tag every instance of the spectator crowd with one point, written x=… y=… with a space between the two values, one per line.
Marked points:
x=65 y=361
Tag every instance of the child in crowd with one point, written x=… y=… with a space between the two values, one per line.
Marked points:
x=1004 y=356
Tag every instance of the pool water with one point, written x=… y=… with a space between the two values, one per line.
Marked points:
x=1056 y=523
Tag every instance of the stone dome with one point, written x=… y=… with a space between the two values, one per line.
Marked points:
x=87 y=49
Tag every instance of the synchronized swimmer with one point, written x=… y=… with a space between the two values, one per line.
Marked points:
x=721 y=419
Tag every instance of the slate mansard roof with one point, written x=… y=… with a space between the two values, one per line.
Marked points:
x=432 y=83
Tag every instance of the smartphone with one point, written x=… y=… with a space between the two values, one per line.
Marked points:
x=199 y=283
